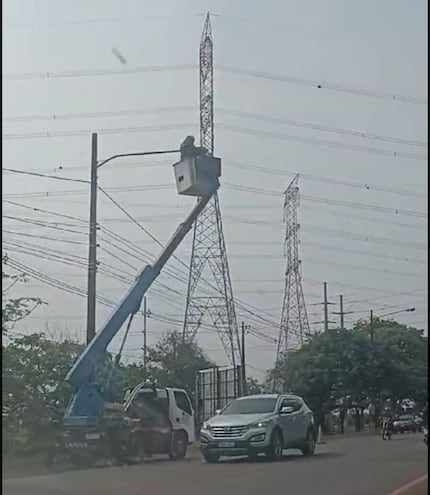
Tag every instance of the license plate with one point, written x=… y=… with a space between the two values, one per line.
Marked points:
x=226 y=445
x=92 y=436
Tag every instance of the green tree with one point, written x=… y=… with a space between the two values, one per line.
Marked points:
x=175 y=363
x=316 y=370
x=15 y=309
x=33 y=372
x=253 y=387
x=398 y=359
x=344 y=368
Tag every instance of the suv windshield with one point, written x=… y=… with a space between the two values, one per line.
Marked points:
x=251 y=406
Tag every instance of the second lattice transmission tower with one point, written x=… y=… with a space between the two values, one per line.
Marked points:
x=294 y=320
x=212 y=295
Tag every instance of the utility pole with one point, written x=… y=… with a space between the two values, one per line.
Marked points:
x=325 y=308
x=92 y=248
x=243 y=359
x=372 y=328
x=145 y=355
x=326 y=304
x=342 y=313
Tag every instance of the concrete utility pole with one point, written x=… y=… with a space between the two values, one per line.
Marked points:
x=325 y=304
x=92 y=248
x=243 y=357
x=145 y=352
x=325 y=308
x=342 y=313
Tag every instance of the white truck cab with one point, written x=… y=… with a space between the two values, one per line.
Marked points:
x=165 y=416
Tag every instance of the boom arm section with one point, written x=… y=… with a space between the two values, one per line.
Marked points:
x=87 y=399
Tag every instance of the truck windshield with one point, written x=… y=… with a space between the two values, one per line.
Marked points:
x=251 y=406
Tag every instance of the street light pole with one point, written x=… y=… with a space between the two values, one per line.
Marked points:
x=372 y=339
x=92 y=248
x=372 y=322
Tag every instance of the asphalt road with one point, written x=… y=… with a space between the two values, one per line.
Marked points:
x=349 y=466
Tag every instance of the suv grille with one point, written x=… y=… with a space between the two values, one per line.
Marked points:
x=228 y=431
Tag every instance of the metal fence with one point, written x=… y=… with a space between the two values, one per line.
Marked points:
x=215 y=387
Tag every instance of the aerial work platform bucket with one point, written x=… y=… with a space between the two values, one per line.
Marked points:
x=197 y=176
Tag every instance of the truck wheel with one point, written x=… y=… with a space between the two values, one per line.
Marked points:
x=179 y=447
x=308 y=448
x=211 y=457
x=276 y=447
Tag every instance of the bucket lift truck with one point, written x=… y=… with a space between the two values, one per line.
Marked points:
x=150 y=420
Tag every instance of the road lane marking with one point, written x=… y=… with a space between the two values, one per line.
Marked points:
x=403 y=489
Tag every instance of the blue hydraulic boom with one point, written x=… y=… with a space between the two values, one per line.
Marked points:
x=197 y=174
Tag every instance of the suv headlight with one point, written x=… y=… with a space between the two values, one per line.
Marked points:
x=261 y=424
x=205 y=426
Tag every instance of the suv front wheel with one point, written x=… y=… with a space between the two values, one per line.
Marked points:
x=310 y=442
x=211 y=457
x=276 y=447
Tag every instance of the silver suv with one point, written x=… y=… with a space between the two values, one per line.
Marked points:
x=259 y=424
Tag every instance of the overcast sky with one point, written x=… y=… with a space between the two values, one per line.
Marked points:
x=363 y=212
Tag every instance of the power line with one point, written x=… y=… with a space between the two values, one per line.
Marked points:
x=23 y=268
x=269 y=192
x=329 y=180
x=226 y=111
x=95 y=72
x=323 y=128
x=86 y=132
x=227 y=127
x=246 y=166
x=259 y=317
x=313 y=230
x=155 y=187
x=102 y=114
x=33 y=208
x=49 y=225
x=335 y=233
x=321 y=142
x=335 y=202
x=247 y=309
x=285 y=28
x=99 y=21
x=161 y=217
x=324 y=85
x=45 y=176
x=226 y=69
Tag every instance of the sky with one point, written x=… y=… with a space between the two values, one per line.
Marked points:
x=333 y=90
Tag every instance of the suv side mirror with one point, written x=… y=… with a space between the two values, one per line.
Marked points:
x=218 y=411
x=286 y=410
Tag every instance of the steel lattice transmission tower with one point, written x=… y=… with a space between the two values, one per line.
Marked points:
x=208 y=250
x=294 y=320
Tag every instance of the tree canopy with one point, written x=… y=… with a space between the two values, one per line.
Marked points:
x=349 y=367
x=175 y=363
